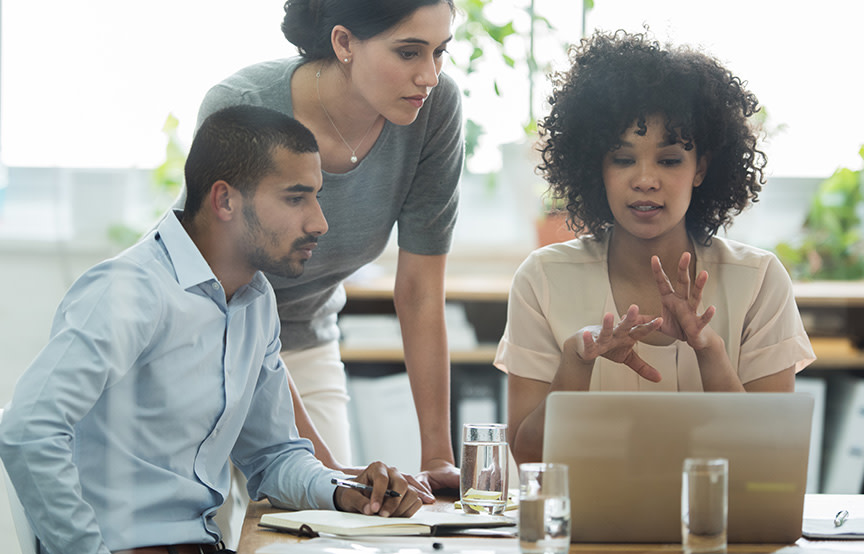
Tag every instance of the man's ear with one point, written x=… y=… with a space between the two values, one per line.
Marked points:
x=224 y=200
x=341 y=39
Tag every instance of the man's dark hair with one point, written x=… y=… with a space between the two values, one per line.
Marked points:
x=235 y=145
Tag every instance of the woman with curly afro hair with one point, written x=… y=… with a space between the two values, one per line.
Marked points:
x=652 y=148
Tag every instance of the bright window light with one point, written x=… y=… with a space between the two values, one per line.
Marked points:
x=89 y=84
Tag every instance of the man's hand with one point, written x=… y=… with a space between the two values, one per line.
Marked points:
x=380 y=477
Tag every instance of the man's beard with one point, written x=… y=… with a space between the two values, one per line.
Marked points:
x=261 y=260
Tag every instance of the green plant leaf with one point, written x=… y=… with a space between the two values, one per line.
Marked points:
x=831 y=245
x=473 y=131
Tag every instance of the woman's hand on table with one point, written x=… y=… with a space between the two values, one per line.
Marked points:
x=439 y=474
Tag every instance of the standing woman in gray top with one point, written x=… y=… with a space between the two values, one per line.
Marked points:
x=368 y=83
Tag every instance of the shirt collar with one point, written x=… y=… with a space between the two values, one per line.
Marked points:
x=189 y=265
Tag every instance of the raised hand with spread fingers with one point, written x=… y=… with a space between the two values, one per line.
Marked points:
x=681 y=319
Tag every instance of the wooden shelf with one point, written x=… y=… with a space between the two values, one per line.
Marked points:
x=829 y=294
x=483 y=354
x=462 y=288
x=836 y=353
x=483 y=286
x=488 y=285
x=831 y=353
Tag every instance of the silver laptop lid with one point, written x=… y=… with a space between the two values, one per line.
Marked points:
x=626 y=449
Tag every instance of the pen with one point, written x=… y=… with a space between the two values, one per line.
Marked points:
x=362 y=487
x=840 y=518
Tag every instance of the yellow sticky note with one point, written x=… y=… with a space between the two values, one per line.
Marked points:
x=474 y=494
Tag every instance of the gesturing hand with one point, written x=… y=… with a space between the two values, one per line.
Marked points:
x=615 y=342
x=680 y=302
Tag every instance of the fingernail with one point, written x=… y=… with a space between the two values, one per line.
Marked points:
x=384 y=514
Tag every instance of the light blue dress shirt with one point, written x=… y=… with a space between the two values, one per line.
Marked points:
x=119 y=433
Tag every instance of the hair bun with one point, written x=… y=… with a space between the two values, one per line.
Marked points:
x=301 y=26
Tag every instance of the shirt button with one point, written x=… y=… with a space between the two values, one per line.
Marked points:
x=215 y=285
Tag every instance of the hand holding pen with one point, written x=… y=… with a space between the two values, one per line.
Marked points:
x=377 y=490
x=361 y=487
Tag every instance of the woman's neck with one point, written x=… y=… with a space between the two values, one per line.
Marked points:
x=344 y=123
x=629 y=255
x=324 y=89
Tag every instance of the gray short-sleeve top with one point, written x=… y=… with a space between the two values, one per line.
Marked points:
x=409 y=179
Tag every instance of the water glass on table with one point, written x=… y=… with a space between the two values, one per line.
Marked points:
x=483 y=469
x=704 y=505
x=544 y=509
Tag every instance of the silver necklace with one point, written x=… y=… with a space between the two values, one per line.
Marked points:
x=330 y=119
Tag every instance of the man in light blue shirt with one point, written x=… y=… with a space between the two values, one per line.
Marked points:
x=164 y=361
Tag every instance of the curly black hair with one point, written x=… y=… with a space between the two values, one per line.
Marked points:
x=620 y=79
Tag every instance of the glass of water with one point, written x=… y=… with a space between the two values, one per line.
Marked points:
x=704 y=504
x=544 y=509
x=483 y=469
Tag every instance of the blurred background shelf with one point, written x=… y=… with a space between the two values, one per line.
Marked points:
x=833 y=313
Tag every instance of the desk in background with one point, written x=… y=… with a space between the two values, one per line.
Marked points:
x=254 y=537
x=833 y=313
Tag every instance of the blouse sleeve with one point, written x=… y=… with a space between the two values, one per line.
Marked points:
x=528 y=347
x=773 y=337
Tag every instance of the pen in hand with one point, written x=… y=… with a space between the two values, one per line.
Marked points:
x=361 y=487
x=840 y=518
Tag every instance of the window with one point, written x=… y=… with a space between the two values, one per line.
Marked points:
x=89 y=84
x=800 y=59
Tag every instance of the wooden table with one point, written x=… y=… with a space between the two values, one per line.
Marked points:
x=254 y=537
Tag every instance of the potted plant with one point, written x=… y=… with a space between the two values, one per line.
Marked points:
x=511 y=46
x=830 y=246
x=166 y=183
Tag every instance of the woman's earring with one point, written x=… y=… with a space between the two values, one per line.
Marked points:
x=345 y=60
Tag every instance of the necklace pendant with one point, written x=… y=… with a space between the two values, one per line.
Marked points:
x=353 y=159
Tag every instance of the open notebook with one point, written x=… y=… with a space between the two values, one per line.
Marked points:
x=314 y=522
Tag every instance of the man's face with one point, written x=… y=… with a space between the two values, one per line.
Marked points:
x=283 y=219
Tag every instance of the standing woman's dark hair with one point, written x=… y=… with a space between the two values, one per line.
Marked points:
x=307 y=23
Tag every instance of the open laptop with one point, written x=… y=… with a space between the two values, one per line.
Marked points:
x=625 y=452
